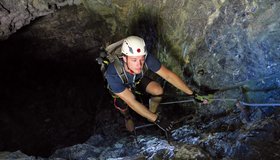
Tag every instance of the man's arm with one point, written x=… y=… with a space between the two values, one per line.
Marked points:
x=131 y=101
x=172 y=78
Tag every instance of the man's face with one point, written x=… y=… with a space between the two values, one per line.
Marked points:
x=135 y=63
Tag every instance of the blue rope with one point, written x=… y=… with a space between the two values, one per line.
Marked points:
x=260 y=104
x=249 y=104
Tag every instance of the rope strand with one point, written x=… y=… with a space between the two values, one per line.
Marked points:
x=228 y=99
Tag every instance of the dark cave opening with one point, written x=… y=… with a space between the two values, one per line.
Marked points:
x=47 y=102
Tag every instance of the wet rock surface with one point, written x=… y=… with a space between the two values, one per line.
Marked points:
x=224 y=137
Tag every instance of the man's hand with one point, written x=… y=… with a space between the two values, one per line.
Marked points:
x=200 y=98
x=164 y=124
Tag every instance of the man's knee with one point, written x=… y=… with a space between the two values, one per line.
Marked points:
x=158 y=91
x=155 y=89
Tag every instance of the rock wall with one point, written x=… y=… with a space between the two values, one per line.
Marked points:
x=15 y=14
x=219 y=44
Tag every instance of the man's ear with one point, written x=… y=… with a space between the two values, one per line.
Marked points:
x=124 y=58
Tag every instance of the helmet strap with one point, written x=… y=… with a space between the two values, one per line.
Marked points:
x=130 y=71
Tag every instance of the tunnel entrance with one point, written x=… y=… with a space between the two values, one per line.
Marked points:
x=49 y=96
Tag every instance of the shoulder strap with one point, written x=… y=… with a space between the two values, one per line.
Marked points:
x=120 y=70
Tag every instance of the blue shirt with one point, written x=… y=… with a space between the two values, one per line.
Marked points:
x=114 y=81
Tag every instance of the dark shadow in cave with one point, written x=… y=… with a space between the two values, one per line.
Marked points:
x=46 y=102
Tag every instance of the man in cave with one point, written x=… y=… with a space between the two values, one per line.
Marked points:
x=133 y=64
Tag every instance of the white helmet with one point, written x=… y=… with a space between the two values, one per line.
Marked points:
x=134 y=46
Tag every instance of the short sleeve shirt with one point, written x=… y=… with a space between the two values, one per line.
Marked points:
x=114 y=81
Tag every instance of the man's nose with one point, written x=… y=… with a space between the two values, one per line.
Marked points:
x=140 y=63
